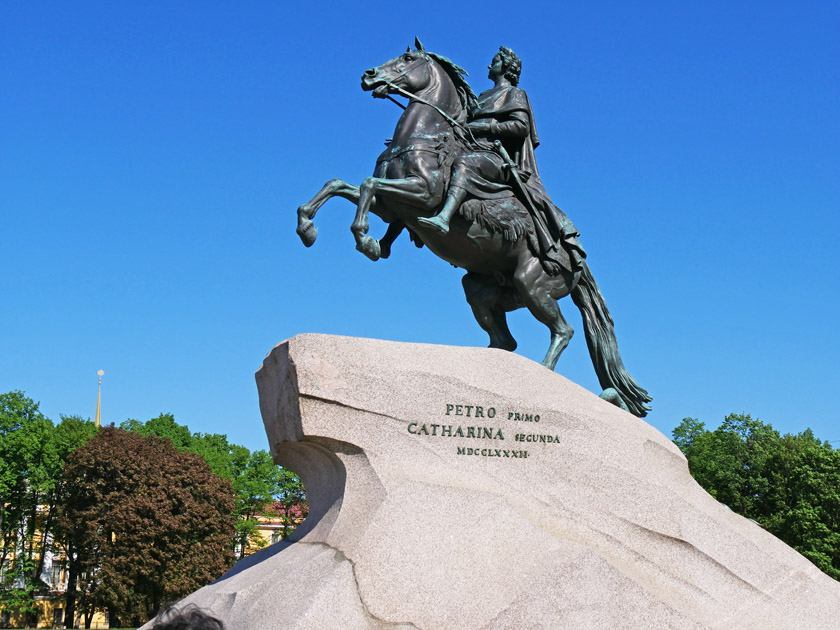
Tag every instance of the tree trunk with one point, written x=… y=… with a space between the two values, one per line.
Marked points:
x=113 y=619
x=70 y=595
x=45 y=531
x=156 y=597
x=31 y=528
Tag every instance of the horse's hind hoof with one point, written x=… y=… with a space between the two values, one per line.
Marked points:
x=307 y=232
x=612 y=396
x=369 y=246
x=504 y=344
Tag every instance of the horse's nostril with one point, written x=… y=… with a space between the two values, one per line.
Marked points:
x=370 y=72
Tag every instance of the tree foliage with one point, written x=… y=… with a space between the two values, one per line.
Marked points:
x=150 y=524
x=32 y=455
x=789 y=484
x=34 y=489
x=262 y=487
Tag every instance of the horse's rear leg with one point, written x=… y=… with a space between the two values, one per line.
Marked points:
x=488 y=301
x=537 y=290
x=305 y=213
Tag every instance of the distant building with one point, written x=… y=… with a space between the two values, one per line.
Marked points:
x=276 y=523
x=49 y=598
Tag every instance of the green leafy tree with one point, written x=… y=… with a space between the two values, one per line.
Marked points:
x=17 y=414
x=71 y=433
x=789 y=484
x=163 y=426
x=291 y=505
x=256 y=481
x=216 y=451
x=802 y=503
x=32 y=455
x=735 y=461
x=27 y=457
x=149 y=524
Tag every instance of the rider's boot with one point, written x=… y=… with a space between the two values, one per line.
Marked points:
x=440 y=222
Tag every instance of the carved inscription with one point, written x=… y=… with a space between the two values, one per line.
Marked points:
x=492 y=452
x=446 y=430
x=466 y=410
x=473 y=430
x=530 y=437
x=523 y=417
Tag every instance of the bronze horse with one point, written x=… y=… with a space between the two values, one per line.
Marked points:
x=504 y=272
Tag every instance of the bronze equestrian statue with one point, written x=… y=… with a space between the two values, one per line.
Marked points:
x=460 y=176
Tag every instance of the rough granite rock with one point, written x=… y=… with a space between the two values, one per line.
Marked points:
x=413 y=526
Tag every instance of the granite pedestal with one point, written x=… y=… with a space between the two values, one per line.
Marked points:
x=467 y=488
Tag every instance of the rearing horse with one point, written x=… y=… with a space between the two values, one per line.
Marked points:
x=504 y=273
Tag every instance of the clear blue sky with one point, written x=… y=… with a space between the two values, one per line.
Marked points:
x=152 y=156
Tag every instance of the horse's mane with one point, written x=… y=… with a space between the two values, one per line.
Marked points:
x=457 y=74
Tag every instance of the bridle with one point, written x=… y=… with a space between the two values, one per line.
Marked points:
x=420 y=99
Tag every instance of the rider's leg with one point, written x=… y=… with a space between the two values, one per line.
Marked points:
x=474 y=170
x=454 y=199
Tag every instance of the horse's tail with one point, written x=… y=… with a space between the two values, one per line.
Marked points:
x=603 y=347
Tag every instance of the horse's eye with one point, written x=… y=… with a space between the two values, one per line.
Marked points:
x=407 y=57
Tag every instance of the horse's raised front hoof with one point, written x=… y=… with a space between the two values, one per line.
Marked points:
x=611 y=396
x=369 y=246
x=307 y=232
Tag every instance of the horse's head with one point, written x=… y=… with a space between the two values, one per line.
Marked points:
x=412 y=72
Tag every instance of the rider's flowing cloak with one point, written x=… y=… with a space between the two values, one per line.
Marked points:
x=551 y=225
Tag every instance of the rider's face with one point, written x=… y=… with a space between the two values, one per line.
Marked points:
x=496 y=68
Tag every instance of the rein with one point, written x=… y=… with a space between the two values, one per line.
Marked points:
x=413 y=97
x=422 y=100
x=395 y=101
x=419 y=99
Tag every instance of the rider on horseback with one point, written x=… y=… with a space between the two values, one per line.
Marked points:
x=518 y=249
x=503 y=113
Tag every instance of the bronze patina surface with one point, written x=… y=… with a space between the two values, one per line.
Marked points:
x=459 y=174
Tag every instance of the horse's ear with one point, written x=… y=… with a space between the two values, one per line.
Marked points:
x=418 y=45
x=408 y=49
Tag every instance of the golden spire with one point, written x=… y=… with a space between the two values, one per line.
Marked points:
x=98 y=419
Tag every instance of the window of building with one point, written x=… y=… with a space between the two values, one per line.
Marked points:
x=56 y=574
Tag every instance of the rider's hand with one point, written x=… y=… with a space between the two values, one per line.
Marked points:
x=479 y=126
